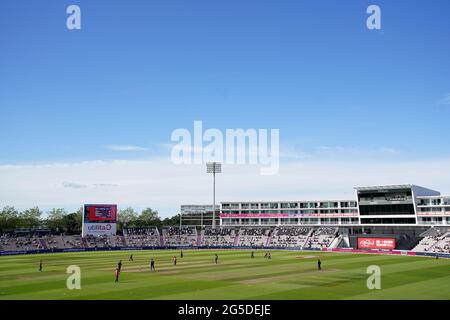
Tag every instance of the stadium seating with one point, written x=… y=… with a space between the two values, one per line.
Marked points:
x=321 y=238
x=290 y=236
x=223 y=237
x=180 y=237
x=21 y=243
x=63 y=242
x=436 y=240
x=253 y=237
x=442 y=245
x=104 y=242
x=142 y=237
x=435 y=232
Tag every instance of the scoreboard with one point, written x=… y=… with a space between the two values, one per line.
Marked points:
x=99 y=219
x=101 y=213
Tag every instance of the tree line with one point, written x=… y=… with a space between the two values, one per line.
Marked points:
x=58 y=220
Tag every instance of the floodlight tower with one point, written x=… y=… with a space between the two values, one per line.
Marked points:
x=214 y=167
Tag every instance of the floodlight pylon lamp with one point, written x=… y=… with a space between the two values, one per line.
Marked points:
x=214 y=167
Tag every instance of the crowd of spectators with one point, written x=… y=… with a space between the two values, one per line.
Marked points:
x=104 y=241
x=10 y=242
x=321 y=238
x=223 y=237
x=180 y=236
x=253 y=237
x=63 y=242
x=437 y=242
x=142 y=237
x=443 y=245
x=290 y=236
x=151 y=231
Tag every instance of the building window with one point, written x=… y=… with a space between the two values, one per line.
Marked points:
x=386 y=209
x=388 y=220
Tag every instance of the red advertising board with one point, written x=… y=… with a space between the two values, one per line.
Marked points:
x=376 y=243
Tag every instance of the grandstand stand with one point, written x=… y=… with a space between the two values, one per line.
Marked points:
x=63 y=242
x=20 y=243
x=442 y=245
x=221 y=237
x=142 y=237
x=284 y=237
x=321 y=238
x=253 y=237
x=104 y=242
x=436 y=240
x=180 y=237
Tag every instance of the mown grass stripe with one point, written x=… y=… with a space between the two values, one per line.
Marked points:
x=288 y=275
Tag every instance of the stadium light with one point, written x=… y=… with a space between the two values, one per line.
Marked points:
x=214 y=167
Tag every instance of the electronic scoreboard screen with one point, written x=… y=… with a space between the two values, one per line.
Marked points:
x=100 y=212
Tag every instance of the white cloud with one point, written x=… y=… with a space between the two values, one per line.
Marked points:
x=446 y=100
x=125 y=148
x=73 y=185
x=348 y=152
x=164 y=186
x=389 y=150
x=105 y=185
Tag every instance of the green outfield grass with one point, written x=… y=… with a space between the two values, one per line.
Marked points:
x=288 y=275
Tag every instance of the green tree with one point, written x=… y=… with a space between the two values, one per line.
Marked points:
x=172 y=221
x=9 y=218
x=31 y=218
x=126 y=218
x=73 y=222
x=55 y=219
x=149 y=217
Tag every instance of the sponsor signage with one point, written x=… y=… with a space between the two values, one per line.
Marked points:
x=99 y=220
x=436 y=213
x=99 y=229
x=252 y=215
x=376 y=243
x=286 y=215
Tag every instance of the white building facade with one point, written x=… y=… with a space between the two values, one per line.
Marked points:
x=405 y=205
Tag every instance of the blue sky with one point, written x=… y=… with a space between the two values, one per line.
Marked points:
x=137 y=70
